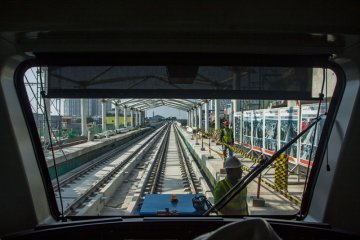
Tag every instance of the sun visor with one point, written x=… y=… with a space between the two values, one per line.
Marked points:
x=246 y=82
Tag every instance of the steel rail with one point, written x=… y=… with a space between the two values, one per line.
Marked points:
x=184 y=161
x=160 y=162
x=144 y=148
x=150 y=177
x=102 y=159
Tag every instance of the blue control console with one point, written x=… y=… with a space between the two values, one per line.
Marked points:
x=173 y=205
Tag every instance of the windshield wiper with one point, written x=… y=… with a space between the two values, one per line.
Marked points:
x=255 y=171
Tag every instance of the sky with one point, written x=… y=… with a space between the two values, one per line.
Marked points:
x=167 y=112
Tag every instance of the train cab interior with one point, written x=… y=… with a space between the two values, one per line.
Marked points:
x=198 y=46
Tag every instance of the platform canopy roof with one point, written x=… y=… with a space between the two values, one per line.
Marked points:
x=148 y=104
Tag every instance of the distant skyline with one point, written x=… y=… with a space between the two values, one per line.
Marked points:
x=163 y=111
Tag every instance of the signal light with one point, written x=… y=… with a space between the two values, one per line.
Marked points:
x=174 y=198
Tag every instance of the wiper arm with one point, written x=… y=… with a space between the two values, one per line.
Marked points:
x=255 y=171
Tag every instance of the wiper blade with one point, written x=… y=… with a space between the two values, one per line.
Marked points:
x=256 y=171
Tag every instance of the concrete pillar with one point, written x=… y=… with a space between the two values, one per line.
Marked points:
x=196 y=123
x=206 y=116
x=46 y=128
x=132 y=117
x=189 y=118
x=236 y=105
x=192 y=117
x=235 y=108
x=125 y=116
x=139 y=121
x=138 y=118
x=143 y=117
x=116 y=116
x=84 y=115
x=200 y=116
x=103 y=119
x=188 y=121
x=217 y=117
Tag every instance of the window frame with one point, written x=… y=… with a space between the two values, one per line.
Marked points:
x=210 y=59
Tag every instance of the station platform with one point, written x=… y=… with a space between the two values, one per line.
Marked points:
x=209 y=157
x=71 y=157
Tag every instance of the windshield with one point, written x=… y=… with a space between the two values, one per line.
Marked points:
x=108 y=154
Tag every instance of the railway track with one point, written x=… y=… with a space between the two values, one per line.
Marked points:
x=170 y=170
x=119 y=180
x=97 y=162
x=173 y=173
x=77 y=189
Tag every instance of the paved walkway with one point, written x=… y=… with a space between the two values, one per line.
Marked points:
x=70 y=152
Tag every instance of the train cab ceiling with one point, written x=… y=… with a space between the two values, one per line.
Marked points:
x=72 y=31
x=255 y=27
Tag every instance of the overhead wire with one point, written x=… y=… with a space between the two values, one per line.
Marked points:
x=313 y=138
x=51 y=145
x=327 y=134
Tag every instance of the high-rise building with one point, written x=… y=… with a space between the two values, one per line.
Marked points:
x=223 y=103
x=94 y=107
x=108 y=106
x=72 y=107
